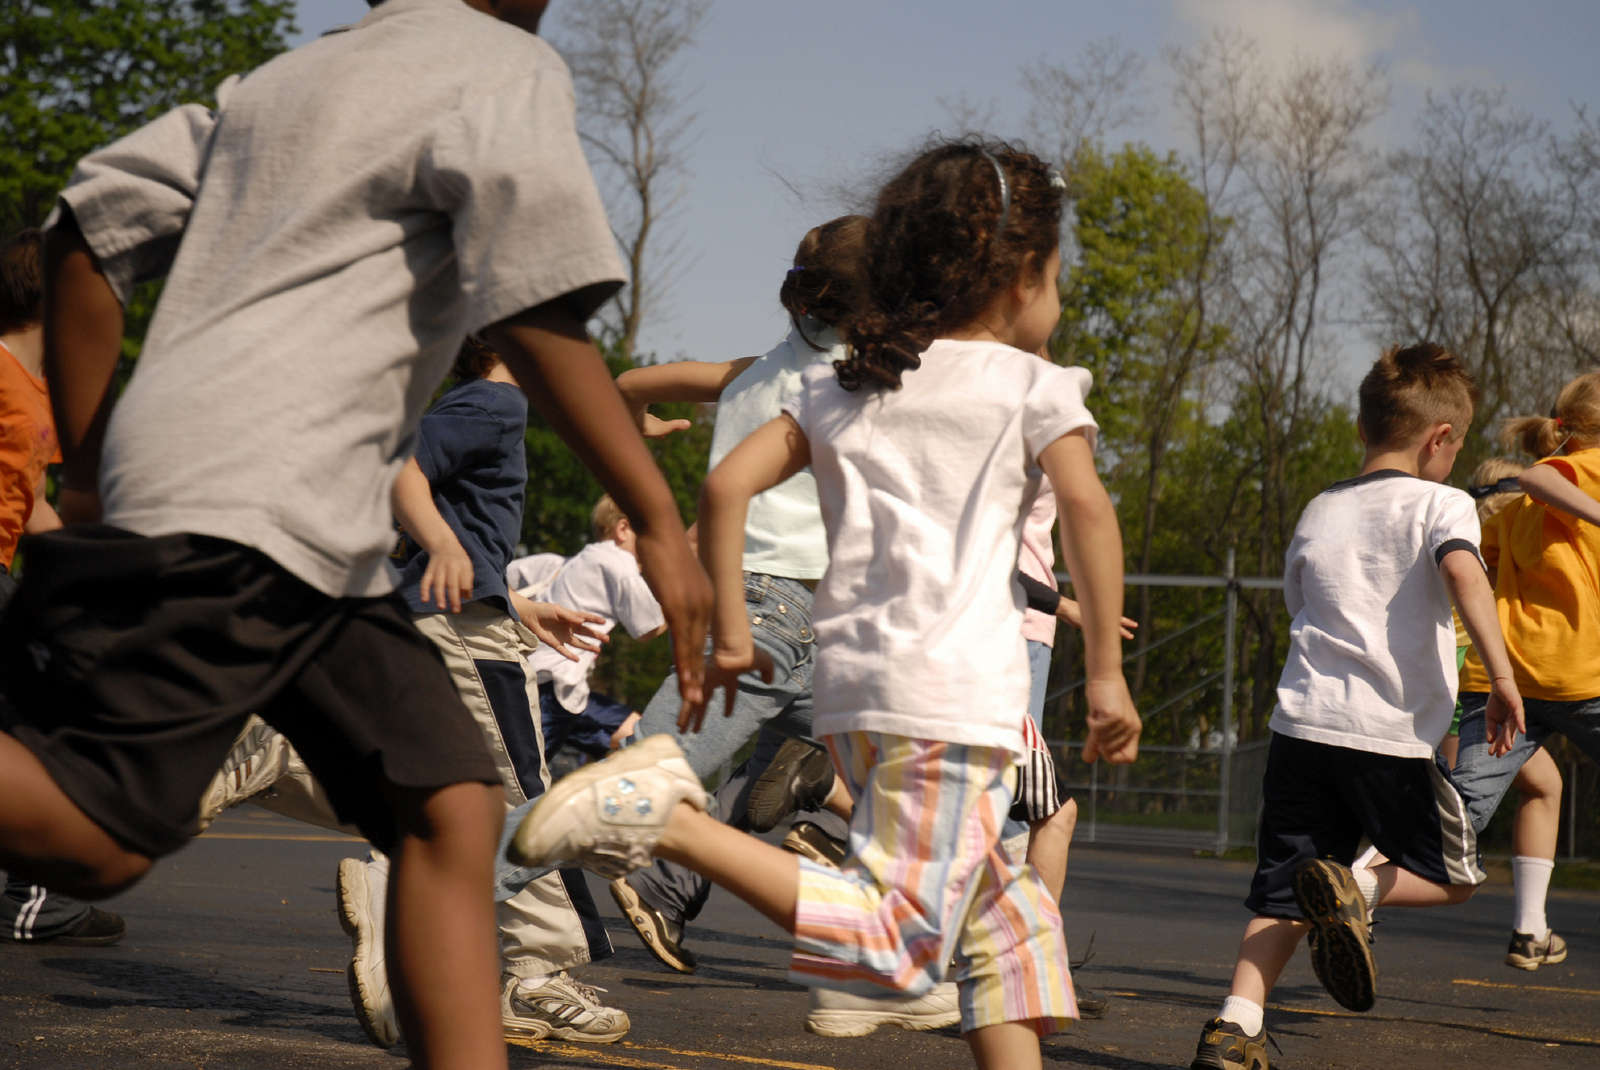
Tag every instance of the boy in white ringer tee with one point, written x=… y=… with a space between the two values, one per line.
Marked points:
x=1365 y=696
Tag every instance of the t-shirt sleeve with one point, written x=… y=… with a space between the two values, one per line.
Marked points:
x=132 y=198
x=1574 y=475
x=1054 y=406
x=526 y=219
x=632 y=603
x=800 y=405
x=451 y=436
x=1453 y=525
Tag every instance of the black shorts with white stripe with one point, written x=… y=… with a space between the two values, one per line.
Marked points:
x=1037 y=796
x=1318 y=800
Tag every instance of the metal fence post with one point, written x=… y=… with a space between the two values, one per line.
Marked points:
x=1230 y=620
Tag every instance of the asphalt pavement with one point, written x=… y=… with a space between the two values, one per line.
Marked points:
x=233 y=959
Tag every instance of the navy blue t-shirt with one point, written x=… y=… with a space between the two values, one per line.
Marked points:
x=470 y=446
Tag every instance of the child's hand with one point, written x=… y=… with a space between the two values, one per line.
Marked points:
x=1114 y=724
x=557 y=626
x=652 y=426
x=448 y=577
x=1503 y=716
x=1069 y=612
x=724 y=670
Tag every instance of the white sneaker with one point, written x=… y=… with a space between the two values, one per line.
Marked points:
x=840 y=1014
x=363 y=885
x=559 y=1007
x=255 y=762
x=608 y=816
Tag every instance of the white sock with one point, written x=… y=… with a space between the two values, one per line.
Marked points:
x=1243 y=1013
x=1531 y=877
x=1367 y=859
x=1367 y=881
x=529 y=984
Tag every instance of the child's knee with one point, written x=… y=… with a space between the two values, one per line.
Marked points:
x=466 y=812
x=1459 y=893
x=1067 y=815
x=106 y=873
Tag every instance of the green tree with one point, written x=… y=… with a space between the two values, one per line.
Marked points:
x=1135 y=313
x=78 y=74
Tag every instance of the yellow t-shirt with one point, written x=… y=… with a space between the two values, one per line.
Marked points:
x=1547 y=591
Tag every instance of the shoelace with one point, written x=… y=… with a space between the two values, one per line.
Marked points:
x=589 y=993
x=1088 y=954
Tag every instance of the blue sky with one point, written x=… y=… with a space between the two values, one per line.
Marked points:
x=812 y=95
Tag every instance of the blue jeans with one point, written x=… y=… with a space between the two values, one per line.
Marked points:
x=780 y=624
x=1483 y=778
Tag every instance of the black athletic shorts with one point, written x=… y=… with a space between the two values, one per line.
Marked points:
x=129 y=664
x=1318 y=800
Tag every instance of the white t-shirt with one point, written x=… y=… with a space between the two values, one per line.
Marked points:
x=361 y=203
x=783 y=533
x=923 y=491
x=1372 y=652
x=532 y=576
x=601 y=578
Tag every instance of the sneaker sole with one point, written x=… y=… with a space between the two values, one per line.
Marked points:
x=1208 y=1062
x=774 y=795
x=352 y=888
x=530 y=846
x=1341 y=956
x=800 y=846
x=627 y=901
x=519 y=1029
x=851 y=1023
x=1531 y=963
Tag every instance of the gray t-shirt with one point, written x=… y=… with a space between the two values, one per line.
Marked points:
x=360 y=204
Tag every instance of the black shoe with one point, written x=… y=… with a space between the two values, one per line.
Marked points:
x=799 y=778
x=1341 y=932
x=809 y=841
x=662 y=938
x=95 y=929
x=1225 y=1046
x=1091 y=1004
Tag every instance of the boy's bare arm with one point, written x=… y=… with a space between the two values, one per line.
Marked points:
x=82 y=343
x=1542 y=482
x=42 y=517
x=679 y=380
x=566 y=380
x=1091 y=548
x=448 y=577
x=1469 y=589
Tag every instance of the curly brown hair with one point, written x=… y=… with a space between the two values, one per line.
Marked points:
x=827 y=281
x=475 y=359
x=946 y=238
x=21 y=280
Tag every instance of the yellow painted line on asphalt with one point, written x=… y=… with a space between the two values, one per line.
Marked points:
x=1525 y=988
x=620 y=1055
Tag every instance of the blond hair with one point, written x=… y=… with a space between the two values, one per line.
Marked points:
x=605 y=518
x=1412 y=389
x=1575 y=416
x=1488 y=474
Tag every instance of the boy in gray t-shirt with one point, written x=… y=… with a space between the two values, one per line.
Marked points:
x=329 y=235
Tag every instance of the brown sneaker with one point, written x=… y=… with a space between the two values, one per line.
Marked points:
x=1225 y=1046
x=1341 y=933
x=1526 y=953
x=809 y=841
x=799 y=777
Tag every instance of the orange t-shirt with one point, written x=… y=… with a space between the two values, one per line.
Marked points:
x=27 y=445
x=1547 y=591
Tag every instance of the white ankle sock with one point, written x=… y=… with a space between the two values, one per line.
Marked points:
x=530 y=984
x=1243 y=1013
x=1367 y=881
x=1531 y=877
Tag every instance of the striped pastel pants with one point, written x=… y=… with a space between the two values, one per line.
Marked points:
x=927 y=881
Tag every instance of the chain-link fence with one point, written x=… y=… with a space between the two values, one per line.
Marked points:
x=1205 y=793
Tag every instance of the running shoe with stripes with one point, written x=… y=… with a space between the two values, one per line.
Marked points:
x=841 y=1014
x=1341 y=932
x=1224 y=1045
x=808 y=840
x=559 y=1007
x=1527 y=953
x=799 y=777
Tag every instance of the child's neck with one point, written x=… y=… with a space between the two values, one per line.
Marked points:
x=1401 y=460
x=27 y=345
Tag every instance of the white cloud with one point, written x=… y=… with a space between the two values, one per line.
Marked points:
x=1323 y=29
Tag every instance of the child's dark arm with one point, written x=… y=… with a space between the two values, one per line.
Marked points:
x=82 y=342
x=549 y=352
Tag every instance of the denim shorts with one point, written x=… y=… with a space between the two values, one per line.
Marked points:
x=1483 y=778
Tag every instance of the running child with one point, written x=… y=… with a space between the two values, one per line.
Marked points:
x=359 y=205
x=927 y=444
x=30 y=912
x=1366 y=692
x=1544 y=549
